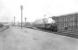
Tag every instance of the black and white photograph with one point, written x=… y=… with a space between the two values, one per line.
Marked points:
x=38 y=24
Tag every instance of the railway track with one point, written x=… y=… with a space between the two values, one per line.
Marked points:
x=72 y=34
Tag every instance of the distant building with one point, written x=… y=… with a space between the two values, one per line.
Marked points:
x=67 y=22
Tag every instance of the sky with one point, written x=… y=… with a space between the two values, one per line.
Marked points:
x=35 y=9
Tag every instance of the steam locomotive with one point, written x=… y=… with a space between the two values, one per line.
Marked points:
x=48 y=26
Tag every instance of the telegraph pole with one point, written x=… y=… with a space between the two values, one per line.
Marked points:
x=76 y=22
x=21 y=15
x=25 y=20
x=14 y=20
x=44 y=20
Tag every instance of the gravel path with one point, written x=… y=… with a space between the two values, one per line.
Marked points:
x=15 y=38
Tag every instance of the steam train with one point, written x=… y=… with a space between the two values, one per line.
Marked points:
x=48 y=26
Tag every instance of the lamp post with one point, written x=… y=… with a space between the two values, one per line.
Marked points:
x=21 y=15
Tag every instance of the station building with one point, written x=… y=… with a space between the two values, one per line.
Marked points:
x=68 y=22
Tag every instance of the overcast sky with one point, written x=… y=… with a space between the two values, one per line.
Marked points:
x=36 y=9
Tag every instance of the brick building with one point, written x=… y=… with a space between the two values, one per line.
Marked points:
x=67 y=22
